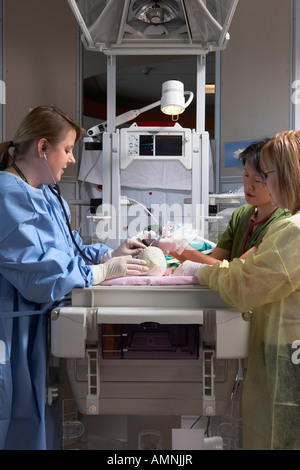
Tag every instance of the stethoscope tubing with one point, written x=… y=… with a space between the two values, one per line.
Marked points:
x=56 y=191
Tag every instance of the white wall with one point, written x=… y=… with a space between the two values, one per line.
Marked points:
x=40 y=58
x=255 y=74
x=40 y=65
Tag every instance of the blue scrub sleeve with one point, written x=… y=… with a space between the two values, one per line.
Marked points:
x=41 y=275
x=36 y=251
x=94 y=252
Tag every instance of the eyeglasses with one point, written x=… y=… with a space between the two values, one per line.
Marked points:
x=264 y=174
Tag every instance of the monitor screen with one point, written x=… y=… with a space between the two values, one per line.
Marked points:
x=168 y=145
x=146 y=145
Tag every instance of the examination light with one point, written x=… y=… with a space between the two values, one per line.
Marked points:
x=155 y=13
x=172 y=103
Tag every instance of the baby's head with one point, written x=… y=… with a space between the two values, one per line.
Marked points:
x=155 y=259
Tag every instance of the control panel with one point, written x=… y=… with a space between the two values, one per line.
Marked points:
x=155 y=144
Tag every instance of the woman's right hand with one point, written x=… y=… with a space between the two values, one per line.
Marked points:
x=120 y=266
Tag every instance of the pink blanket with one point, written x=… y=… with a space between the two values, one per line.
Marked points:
x=151 y=281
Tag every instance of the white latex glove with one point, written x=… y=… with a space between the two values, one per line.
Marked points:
x=149 y=235
x=129 y=247
x=118 y=267
x=188 y=268
x=106 y=256
x=165 y=243
x=174 y=245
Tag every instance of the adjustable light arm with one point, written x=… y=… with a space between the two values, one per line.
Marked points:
x=121 y=119
x=125 y=117
x=169 y=100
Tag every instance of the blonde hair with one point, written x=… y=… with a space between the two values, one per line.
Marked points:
x=47 y=122
x=282 y=152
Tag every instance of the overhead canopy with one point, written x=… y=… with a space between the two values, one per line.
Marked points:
x=132 y=27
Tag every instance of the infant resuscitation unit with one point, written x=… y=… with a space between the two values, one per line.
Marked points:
x=168 y=349
x=146 y=357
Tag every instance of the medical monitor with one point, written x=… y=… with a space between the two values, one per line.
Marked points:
x=155 y=144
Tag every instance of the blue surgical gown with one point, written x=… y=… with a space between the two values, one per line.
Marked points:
x=39 y=266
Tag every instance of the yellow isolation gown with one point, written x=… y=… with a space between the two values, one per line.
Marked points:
x=268 y=284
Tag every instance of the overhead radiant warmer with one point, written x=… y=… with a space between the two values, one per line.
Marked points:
x=159 y=27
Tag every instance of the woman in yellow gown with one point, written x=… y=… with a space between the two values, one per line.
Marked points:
x=267 y=283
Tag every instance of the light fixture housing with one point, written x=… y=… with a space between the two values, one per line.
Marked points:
x=154 y=27
x=172 y=101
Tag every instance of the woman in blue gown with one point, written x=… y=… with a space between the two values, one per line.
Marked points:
x=41 y=261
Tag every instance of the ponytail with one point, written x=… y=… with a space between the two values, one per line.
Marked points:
x=5 y=155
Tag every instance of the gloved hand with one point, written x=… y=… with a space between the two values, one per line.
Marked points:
x=188 y=268
x=118 y=267
x=129 y=247
x=174 y=245
x=165 y=243
x=149 y=236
